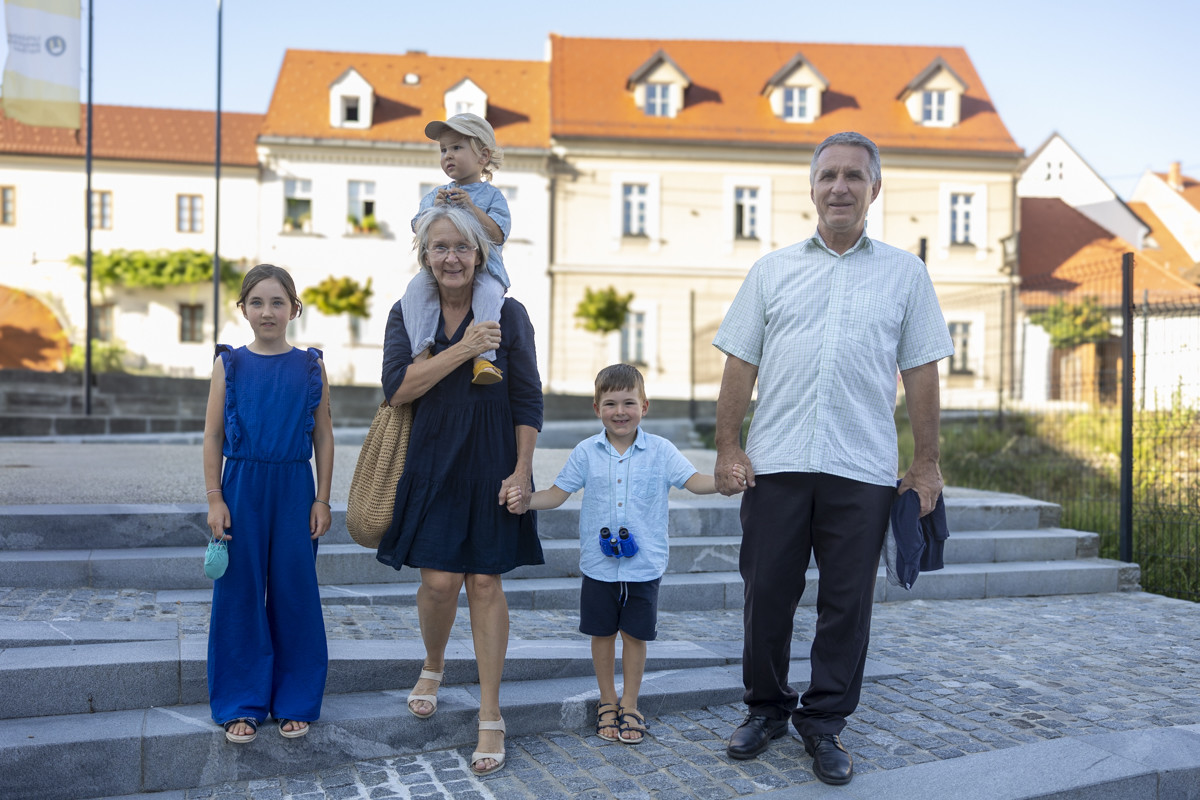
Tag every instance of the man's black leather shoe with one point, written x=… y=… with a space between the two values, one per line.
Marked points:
x=754 y=736
x=832 y=764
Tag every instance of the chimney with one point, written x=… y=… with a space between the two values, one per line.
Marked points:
x=1175 y=176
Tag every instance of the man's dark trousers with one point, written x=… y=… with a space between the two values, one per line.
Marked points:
x=787 y=517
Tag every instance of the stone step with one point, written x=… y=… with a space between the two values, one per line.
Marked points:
x=713 y=590
x=116 y=753
x=104 y=526
x=351 y=564
x=52 y=680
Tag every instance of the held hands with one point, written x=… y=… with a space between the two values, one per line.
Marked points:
x=733 y=473
x=482 y=337
x=515 y=492
x=319 y=519
x=517 y=501
x=451 y=196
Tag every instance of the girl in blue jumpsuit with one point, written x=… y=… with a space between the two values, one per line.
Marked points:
x=268 y=412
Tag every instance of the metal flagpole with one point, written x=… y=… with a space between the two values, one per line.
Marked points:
x=89 y=322
x=216 y=269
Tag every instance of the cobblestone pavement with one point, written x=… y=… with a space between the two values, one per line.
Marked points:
x=978 y=675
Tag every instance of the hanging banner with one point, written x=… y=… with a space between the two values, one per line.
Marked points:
x=41 y=75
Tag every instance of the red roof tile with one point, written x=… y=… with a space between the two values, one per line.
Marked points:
x=1169 y=252
x=589 y=98
x=130 y=133
x=1063 y=253
x=517 y=96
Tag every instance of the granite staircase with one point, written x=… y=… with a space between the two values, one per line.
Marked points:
x=107 y=708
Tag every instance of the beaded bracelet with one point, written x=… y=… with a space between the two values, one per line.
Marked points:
x=211 y=491
x=319 y=500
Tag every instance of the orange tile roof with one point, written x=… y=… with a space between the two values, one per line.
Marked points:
x=130 y=133
x=725 y=102
x=1063 y=253
x=517 y=96
x=1170 y=253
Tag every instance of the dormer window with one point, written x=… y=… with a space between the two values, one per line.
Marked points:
x=351 y=100
x=795 y=103
x=658 y=100
x=934 y=97
x=658 y=86
x=794 y=91
x=933 y=107
x=466 y=97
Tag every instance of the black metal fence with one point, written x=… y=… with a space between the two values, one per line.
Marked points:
x=1080 y=390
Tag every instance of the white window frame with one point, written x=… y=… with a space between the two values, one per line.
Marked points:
x=8 y=206
x=195 y=213
x=297 y=189
x=356 y=202
x=979 y=217
x=962 y=214
x=102 y=212
x=762 y=185
x=649 y=312
x=659 y=100
x=933 y=107
x=799 y=111
x=653 y=230
x=745 y=212
x=976 y=347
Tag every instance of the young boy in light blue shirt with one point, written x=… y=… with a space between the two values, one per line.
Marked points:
x=622 y=538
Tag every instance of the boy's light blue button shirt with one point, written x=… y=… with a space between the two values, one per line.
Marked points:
x=630 y=490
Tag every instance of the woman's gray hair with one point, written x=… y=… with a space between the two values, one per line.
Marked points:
x=463 y=220
x=851 y=138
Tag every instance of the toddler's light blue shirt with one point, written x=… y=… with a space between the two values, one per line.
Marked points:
x=630 y=490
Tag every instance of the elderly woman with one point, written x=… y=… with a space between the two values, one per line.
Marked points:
x=469 y=444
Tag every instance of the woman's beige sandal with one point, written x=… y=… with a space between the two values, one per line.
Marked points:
x=413 y=697
x=296 y=732
x=607 y=721
x=476 y=757
x=632 y=722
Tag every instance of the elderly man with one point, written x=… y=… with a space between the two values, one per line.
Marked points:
x=823 y=326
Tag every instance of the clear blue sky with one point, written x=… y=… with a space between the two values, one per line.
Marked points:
x=1119 y=80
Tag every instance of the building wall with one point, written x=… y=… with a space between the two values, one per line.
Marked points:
x=685 y=272
x=388 y=259
x=51 y=227
x=1058 y=171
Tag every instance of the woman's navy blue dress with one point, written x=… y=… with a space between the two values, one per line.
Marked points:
x=266 y=636
x=448 y=514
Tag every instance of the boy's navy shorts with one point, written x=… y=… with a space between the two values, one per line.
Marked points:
x=628 y=606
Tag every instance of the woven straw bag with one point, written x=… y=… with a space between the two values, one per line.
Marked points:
x=380 y=464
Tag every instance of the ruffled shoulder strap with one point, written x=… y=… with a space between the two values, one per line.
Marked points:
x=233 y=426
x=314 y=387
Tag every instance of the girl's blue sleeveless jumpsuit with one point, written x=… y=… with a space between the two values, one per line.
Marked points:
x=266 y=636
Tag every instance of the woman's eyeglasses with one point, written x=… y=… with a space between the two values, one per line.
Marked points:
x=440 y=251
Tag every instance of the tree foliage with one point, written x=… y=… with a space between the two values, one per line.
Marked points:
x=603 y=310
x=334 y=296
x=157 y=269
x=1071 y=324
x=106 y=357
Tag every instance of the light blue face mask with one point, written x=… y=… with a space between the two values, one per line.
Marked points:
x=216 y=558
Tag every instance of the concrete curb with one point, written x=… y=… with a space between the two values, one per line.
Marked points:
x=1159 y=764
